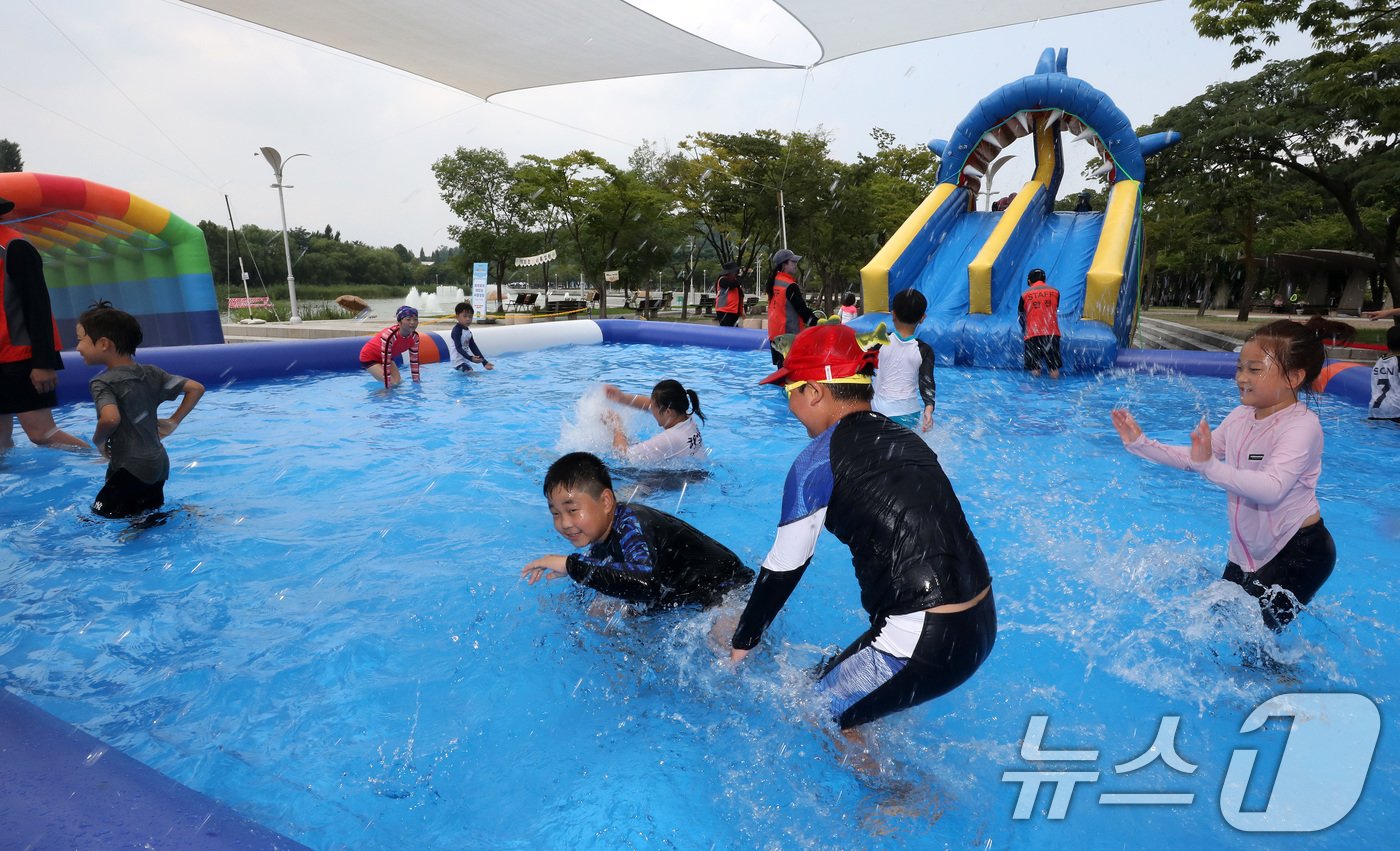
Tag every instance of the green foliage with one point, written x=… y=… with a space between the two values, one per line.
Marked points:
x=728 y=184
x=10 y=159
x=837 y=214
x=610 y=218
x=1263 y=154
x=1350 y=28
x=900 y=177
x=318 y=261
x=498 y=222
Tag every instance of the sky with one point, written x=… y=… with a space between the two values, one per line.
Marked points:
x=170 y=102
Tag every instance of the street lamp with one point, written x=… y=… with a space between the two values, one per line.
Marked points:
x=275 y=160
x=991 y=173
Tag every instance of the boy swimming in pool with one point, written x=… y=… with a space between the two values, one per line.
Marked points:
x=879 y=489
x=635 y=553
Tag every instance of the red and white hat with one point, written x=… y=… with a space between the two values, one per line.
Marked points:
x=824 y=353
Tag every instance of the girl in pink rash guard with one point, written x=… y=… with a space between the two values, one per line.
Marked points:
x=1267 y=455
x=377 y=355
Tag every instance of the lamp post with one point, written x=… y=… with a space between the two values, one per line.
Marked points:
x=991 y=173
x=275 y=160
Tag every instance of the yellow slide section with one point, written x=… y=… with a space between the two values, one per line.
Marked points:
x=875 y=276
x=1105 y=278
x=979 y=271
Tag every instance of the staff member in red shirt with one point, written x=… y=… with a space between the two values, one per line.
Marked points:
x=729 y=296
x=29 y=348
x=1040 y=324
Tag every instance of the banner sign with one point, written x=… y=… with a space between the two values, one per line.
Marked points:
x=537 y=259
x=479 y=289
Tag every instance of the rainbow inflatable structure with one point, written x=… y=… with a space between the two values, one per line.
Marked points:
x=972 y=265
x=104 y=243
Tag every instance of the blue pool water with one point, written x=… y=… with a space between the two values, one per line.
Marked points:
x=331 y=637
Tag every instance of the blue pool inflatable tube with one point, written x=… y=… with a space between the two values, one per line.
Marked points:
x=222 y=365
x=62 y=787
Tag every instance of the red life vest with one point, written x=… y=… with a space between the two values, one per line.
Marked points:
x=781 y=317
x=727 y=300
x=10 y=351
x=1041 y=303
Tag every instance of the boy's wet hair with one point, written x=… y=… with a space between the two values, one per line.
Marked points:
x=843 y=392
x=463 y=307
x=104 y=320
x=670 y=395
x=1294 y=345
x=909 y=306
x=582 y=471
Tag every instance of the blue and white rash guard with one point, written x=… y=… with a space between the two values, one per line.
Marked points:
x=880 y=490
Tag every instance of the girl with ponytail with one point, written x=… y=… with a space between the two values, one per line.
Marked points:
x=1267 y=455
x=672 y=405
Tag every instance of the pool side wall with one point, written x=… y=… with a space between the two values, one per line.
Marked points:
x=62 y=787
x=1345 y=380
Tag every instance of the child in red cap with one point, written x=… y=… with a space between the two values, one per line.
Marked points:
x=923 y=578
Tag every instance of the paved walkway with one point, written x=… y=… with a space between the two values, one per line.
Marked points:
x=1157 y=331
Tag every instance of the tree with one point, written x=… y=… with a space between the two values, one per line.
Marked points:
x=1278 y=120
x=612 y=218
x=1333 y=118
x=829 y=213
x=900 y=178
x=319 y=261
x=1350 y=28
x=498 y=222
x=10 y=159
x=728 y=184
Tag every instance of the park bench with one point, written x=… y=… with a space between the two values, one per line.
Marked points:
x=707 y=305
x=524 y=302
x=749 y=304
x=565 y=305
x=649 y=307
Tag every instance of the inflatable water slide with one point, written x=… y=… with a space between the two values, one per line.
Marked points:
x=971 y=265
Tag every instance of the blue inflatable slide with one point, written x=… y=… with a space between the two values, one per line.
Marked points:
x=971 y=265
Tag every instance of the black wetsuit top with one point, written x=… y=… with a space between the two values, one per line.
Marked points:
x=884 y=495
x=658 y=560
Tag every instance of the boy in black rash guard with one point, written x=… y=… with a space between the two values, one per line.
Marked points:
x=880 y=490
x=635 y=553
x=462 y=340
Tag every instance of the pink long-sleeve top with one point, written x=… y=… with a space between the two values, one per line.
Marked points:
x=1269 y=470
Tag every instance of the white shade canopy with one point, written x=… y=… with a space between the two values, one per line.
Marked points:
x=844 y=28
x=485 y=47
